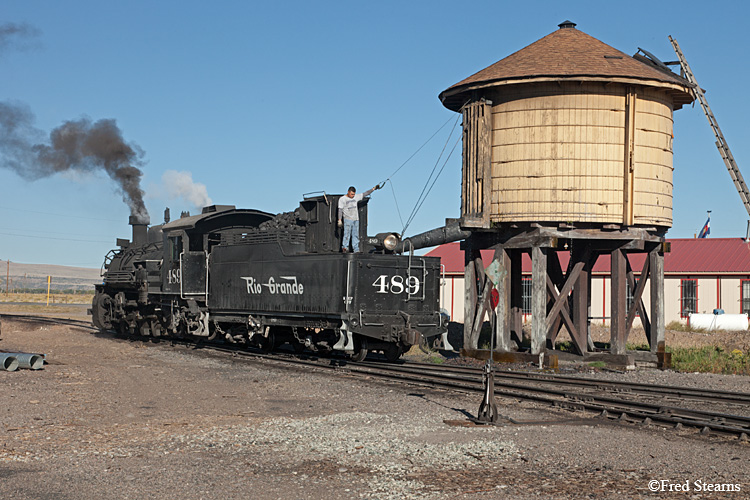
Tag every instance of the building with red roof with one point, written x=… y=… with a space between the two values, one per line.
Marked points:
x=700 y=275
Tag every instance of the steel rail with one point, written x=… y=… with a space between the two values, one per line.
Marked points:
x=740 y=398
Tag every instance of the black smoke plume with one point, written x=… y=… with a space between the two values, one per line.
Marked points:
x=14 y=35
x=75 y=145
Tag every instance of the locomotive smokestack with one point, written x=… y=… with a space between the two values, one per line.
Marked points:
x=140 y=229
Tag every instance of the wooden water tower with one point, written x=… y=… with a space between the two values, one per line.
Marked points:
x=567 y=147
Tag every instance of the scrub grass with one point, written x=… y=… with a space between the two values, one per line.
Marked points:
x=710 y=359
x=54 y=297
x=680 y=327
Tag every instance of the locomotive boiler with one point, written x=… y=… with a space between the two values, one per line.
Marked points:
x=248 y=276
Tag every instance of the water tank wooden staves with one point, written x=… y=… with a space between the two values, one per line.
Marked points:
x=568 y=130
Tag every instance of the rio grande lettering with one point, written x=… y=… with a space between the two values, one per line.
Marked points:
x=287 y=287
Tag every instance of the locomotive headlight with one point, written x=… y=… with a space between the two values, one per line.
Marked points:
x=390 y=241
x=384 y=241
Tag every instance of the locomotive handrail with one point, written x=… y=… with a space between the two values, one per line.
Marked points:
x=306 y=197
x=348 y=298
x=107 y=260
x=424 y=273
x=325 y=197
x=424 y=279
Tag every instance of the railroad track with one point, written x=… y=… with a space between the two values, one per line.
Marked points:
x=739 y=399
x=611 y=401
x=622 y=406
x=606 y=407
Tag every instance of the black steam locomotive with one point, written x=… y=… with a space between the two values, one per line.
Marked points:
x=251 y=277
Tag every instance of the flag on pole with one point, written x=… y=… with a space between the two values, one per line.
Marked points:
x=706 y=228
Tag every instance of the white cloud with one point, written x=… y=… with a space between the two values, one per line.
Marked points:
x=180 y=185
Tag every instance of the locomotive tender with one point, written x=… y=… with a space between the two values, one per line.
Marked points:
x=251 y=277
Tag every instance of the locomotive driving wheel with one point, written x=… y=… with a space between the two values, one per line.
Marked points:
x=100 y=311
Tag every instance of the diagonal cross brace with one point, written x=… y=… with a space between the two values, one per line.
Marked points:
x=638 y=298
x=563 y=310
x=483 y=303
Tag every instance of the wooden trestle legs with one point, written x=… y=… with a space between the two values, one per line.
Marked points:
x=562 y=297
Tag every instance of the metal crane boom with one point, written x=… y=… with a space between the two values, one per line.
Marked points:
x=721 y=143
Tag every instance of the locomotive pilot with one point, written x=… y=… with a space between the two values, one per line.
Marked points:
x=349 y=216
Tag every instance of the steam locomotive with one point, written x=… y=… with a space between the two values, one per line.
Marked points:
x=252 y=277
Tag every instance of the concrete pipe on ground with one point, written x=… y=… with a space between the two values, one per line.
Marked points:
x=28 y=360
x=8 y=362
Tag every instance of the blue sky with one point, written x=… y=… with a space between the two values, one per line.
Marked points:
x=262 y=102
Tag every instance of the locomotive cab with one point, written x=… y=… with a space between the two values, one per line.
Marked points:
x=320 y=216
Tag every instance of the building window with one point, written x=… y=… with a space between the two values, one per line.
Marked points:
x=526 y=282
x=688 y=297
x=745 y=297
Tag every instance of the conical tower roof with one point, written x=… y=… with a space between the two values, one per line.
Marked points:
x=567 y=54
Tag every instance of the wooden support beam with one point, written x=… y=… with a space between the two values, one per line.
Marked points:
x=619 y=302
x=589 y=340
x=581 y=298
x=504 y=309
x=555 y=273
x=538 y=299
x=516 y=295
x=657 y=300
x=470 y=296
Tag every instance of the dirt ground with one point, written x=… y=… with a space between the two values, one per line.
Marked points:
x=110 y=418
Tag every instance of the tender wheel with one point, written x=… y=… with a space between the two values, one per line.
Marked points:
x=360 y=350
x=268 y=344
x=393 y=352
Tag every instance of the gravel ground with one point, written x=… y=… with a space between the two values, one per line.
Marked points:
x=109 y=418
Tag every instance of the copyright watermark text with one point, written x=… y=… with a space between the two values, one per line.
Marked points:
x=687 y=485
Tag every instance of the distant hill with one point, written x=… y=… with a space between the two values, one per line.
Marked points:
x=34 y=276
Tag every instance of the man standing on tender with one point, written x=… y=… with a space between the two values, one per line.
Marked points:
x=349 y=214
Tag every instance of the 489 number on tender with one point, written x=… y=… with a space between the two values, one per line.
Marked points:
x=397 y=284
